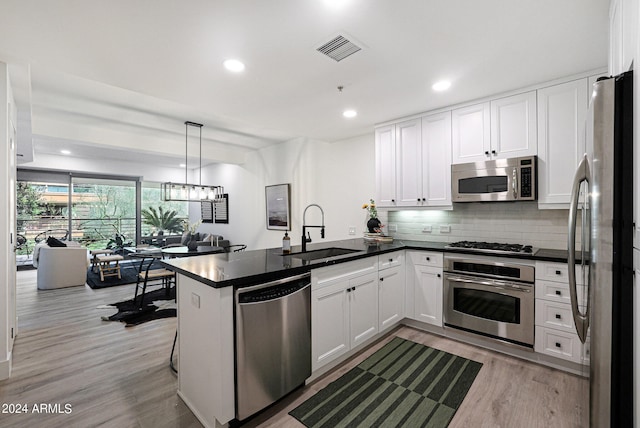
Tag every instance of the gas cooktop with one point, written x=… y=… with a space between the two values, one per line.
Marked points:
x=492 y=247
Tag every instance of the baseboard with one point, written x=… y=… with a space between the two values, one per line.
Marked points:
x=5 y=368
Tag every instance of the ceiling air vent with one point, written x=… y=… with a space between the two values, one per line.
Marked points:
x=339 y=48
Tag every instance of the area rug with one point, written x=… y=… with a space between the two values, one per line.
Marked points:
x=403 y=384
x=156 y=305
x=128 y=273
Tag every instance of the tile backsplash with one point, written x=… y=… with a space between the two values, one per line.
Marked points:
x=515 y=223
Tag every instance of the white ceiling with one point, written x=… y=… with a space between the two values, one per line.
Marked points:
x=106 y=78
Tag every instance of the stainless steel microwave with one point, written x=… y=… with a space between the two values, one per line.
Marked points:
x=512 y=179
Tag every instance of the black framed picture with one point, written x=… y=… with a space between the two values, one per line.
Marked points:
x=278 y=198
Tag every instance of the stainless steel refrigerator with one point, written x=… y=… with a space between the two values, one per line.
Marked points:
x=603 y=198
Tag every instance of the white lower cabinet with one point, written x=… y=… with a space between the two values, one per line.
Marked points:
x=555 y=332
x=391 y=288
x=343 y=299
x=424 y=287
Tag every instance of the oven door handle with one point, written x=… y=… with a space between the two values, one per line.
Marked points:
x=489 y=283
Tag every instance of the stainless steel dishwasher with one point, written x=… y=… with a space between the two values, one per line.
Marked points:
x=273 y=342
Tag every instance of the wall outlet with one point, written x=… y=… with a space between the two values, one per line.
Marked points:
x=352 y=230
x=426 y=228
x=445 y=228
x=393 y=227
x=195 y=300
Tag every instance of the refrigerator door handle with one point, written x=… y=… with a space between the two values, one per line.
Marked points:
x=580 y=320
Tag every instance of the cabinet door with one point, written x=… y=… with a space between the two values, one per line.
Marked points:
x=330 y=323
x=409 y=163
x=562 y=110
x=427 y=296
x=471 y=133
x=616 y=36
x=391 y=297
x=363 y=305
x=385 y=165
x=436 y=159
x=513 y=126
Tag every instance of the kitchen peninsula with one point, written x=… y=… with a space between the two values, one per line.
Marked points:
x=206 y=298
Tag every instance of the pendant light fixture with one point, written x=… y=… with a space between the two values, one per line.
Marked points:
x=187 y=192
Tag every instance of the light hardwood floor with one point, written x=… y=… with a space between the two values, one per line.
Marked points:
x=113 y=376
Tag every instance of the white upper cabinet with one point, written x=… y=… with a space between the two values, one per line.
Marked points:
x=502 y=128
x=513 y=126
x=623 y=35
x=471 y=133
x=562 y=111
x=409 y=162
x=436 y=160
x=386 y=165
x=414 y=162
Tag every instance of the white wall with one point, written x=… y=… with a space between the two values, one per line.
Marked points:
x=337 y=176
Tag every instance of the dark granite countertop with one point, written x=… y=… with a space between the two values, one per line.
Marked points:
x=258 y=266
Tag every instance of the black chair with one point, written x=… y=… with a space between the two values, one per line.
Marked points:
x=151 y=272
x=22 y=243
x=235 y=248
x=61 y=234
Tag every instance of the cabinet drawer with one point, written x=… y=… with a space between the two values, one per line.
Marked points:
x=558 y=292
x=426 y=258
x=561 y=345
x=389 y=260
x=558 y=272
x=326 y=276
x=554 y=315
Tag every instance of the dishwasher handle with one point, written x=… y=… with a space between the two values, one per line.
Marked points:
x=273 y=291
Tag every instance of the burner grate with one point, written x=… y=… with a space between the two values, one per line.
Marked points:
x=492 y=246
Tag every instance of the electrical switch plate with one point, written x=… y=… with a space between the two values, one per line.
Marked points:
x=352 y=230
x=195 y=300
x=426 y=228
x=445 y=228
x=393 y=228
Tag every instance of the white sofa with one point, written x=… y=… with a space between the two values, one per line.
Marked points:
x=60 y=267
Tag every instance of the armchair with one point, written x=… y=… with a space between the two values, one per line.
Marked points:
x=60 y=267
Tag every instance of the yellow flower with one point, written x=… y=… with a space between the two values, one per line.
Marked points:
x=365 y=206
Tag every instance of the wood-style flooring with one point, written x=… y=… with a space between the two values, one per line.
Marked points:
x=111 y=376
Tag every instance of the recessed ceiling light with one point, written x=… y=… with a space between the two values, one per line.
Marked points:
x=349 y=113
x=182 y=165
x=234 y=65
x=65 y=152
x=442 y=85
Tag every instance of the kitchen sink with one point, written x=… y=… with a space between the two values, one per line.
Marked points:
x=322 y=254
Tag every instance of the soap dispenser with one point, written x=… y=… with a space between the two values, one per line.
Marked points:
x=286 y=244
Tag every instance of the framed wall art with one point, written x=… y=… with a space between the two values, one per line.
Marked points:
x=278 y=199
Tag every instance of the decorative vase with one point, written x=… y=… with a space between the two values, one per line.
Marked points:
x=192 y=244
x=373 y=225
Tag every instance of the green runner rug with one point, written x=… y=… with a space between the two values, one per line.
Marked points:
x=403 y=384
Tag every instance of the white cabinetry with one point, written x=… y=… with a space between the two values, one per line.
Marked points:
x=436 y=160
x=391 y=286
x=471 y=133
x=513 y=126
x=623 y=34
x=562 y=111
x=386 y=165
x=555 y=332
x=502 y=128
x=413 y=161
x=344 y=303
x=424 y=287
x=408 y=162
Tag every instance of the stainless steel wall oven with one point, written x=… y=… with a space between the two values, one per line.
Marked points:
x=490 y=296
